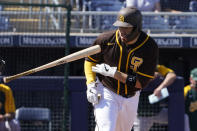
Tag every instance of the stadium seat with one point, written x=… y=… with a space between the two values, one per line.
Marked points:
x=1 y=8
x=4 y=23
x=103 y=22
x=185 y=22
x=34 y=116
x=155 y=23
x=193 y=6
x=108 y=5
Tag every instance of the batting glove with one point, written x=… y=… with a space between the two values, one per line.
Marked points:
x=104 y=69
x=93 y=95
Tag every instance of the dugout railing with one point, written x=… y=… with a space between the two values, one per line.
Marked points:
x=97 y=21
x=161 y=22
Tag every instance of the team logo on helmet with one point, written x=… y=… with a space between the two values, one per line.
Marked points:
x=121 y=18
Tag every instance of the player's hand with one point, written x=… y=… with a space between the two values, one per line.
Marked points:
x=93 y=94
x=157 y=92
x=104 y=69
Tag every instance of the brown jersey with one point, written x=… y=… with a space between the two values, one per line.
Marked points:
x=140 y=57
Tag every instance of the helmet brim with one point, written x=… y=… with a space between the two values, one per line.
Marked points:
x=122 y=24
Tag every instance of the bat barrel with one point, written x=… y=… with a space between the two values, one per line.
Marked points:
x=72 y=57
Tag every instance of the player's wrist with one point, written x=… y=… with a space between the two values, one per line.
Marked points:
x=131 y=80
x=113 y=71
x=162 y=86
x=91 y=85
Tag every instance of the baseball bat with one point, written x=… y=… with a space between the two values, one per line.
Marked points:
x=69 y=58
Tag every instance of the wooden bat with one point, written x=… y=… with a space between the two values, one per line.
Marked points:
x=72 y=57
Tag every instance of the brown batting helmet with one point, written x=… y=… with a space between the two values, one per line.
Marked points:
x=129 y=17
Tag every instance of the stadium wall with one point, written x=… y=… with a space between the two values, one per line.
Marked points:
x=47 y=92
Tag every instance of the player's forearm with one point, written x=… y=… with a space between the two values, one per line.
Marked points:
x=169 y=79
x=123 y=78
x=90 y=76
x=120 y=76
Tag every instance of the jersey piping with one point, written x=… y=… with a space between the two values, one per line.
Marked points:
x=129 y=57
x=92 y=59
x=142 y=74
x=120 y=59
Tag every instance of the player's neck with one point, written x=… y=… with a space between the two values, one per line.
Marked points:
x=133 y=41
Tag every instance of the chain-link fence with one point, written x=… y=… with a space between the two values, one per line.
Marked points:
x=33 y=34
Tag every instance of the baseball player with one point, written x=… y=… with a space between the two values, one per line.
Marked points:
x=116 y=75
x=7 y=107
x=148 y=114
x=190 y=95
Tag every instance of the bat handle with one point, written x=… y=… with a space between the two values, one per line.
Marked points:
x=6 y=79
x=10 y=78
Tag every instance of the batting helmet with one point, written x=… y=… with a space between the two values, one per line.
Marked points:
x=129 y=17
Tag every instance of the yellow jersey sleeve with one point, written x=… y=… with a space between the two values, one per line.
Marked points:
x=89 y=74
x=163 y=70
x=9 y=99
x=186 y=90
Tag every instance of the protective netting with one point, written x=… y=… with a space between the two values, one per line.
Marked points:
x=31 y=36
x=33 y=33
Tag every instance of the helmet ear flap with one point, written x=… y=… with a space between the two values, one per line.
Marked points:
x=134 y=33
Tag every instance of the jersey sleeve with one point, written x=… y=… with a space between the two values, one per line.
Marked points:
x=186 y=90
x=163 y=70
x=92 y=61
x=89 y=74
x=9 y=102
x=96 y=58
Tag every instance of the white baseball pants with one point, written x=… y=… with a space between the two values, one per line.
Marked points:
x=114 y=112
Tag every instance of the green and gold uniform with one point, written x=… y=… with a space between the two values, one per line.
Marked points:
x=7 y=104
x=190 y=95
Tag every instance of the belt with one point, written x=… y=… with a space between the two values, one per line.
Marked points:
x=128 y=95
x=123 y=95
